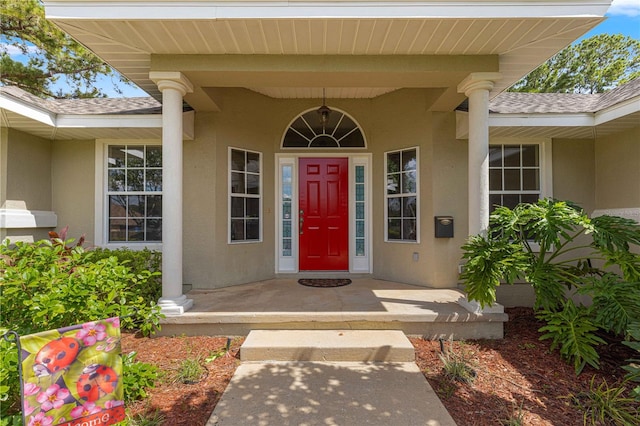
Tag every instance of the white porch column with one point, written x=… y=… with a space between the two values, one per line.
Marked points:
x=476 y=87
x=174 y=86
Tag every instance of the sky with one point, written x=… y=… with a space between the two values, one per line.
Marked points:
x=623 y=17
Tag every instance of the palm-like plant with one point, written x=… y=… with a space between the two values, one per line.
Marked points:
x=559 y=250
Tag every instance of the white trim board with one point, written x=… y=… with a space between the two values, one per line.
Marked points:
x=301 y=9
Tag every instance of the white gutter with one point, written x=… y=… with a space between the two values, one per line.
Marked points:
x=618 y=110
x=71 y=121
x=337 y=9
x=92 y=121
x=585 y=119
x=28 y=110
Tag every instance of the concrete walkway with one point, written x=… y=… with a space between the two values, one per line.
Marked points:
x=318 y=377
x=329 y=393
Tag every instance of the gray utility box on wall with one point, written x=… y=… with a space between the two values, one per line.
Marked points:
x=444 y=226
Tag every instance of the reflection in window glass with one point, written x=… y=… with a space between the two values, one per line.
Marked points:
x=245 y=195
x=360 y=212
x=401 y=195
x=287 y=219
x=134 y=193
x=116 y=179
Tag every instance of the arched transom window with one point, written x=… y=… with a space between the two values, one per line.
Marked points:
x=308 y=131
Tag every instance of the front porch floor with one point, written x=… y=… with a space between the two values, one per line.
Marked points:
x=366 y=304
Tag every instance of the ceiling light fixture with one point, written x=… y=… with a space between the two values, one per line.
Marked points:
x=324 y=111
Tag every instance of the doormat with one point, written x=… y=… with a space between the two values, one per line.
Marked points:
x=324 y=282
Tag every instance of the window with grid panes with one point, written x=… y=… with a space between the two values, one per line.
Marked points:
x=244 y=195
x=514 y=174
x=134 y=193
x=401 y=195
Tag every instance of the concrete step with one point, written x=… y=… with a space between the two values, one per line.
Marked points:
x=327 y=345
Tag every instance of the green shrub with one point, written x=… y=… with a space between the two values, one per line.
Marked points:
x=633 y=369
x=9 y=381
x=49 y=285
x=138 y=261
x=547 y=244
x=137 y=377
x=574 y=332
x=46 y=286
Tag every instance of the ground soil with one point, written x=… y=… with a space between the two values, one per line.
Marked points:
x=517 y=377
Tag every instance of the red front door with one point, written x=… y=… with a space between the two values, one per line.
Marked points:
x=324 y=214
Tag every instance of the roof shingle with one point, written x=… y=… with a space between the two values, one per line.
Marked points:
x=92 y=106
x=536 y=103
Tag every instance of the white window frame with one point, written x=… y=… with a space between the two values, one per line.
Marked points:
x=287 y=263
x=387 y=196
x=230 y=194
x=546 y=160
x=328 y=148
x=546 y=166
x=361 y=264
x=101 y=205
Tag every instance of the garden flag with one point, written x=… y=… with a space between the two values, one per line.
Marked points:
x=72 y=376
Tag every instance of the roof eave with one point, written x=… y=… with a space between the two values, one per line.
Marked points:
x=302 y=9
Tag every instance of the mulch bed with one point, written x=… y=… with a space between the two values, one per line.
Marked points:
x=515 y=376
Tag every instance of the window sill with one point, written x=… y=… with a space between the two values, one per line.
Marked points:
x=25 y=219
x=132 y=246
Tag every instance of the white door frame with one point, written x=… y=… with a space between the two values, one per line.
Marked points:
x=287 y=260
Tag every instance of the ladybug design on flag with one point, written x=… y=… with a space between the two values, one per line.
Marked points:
x=55 y=356
x=96 y=380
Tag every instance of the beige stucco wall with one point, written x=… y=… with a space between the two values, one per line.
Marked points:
x=209 y=260
x=25 y=182
x=28 y=168
x=400 y=120
x=450 y=198
x=60 y=176
x=617 y=166
x=73 y=176
x=394 y=121
x=4 y=146
x=574 y=173
x=255 y=122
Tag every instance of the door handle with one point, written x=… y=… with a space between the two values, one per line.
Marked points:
x=301 y=221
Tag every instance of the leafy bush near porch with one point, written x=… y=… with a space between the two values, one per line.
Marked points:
x=138 y=261
x=49 y=284
x=633 y=369
x=555 y=246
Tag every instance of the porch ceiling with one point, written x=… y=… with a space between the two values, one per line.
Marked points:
x=520 y=34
